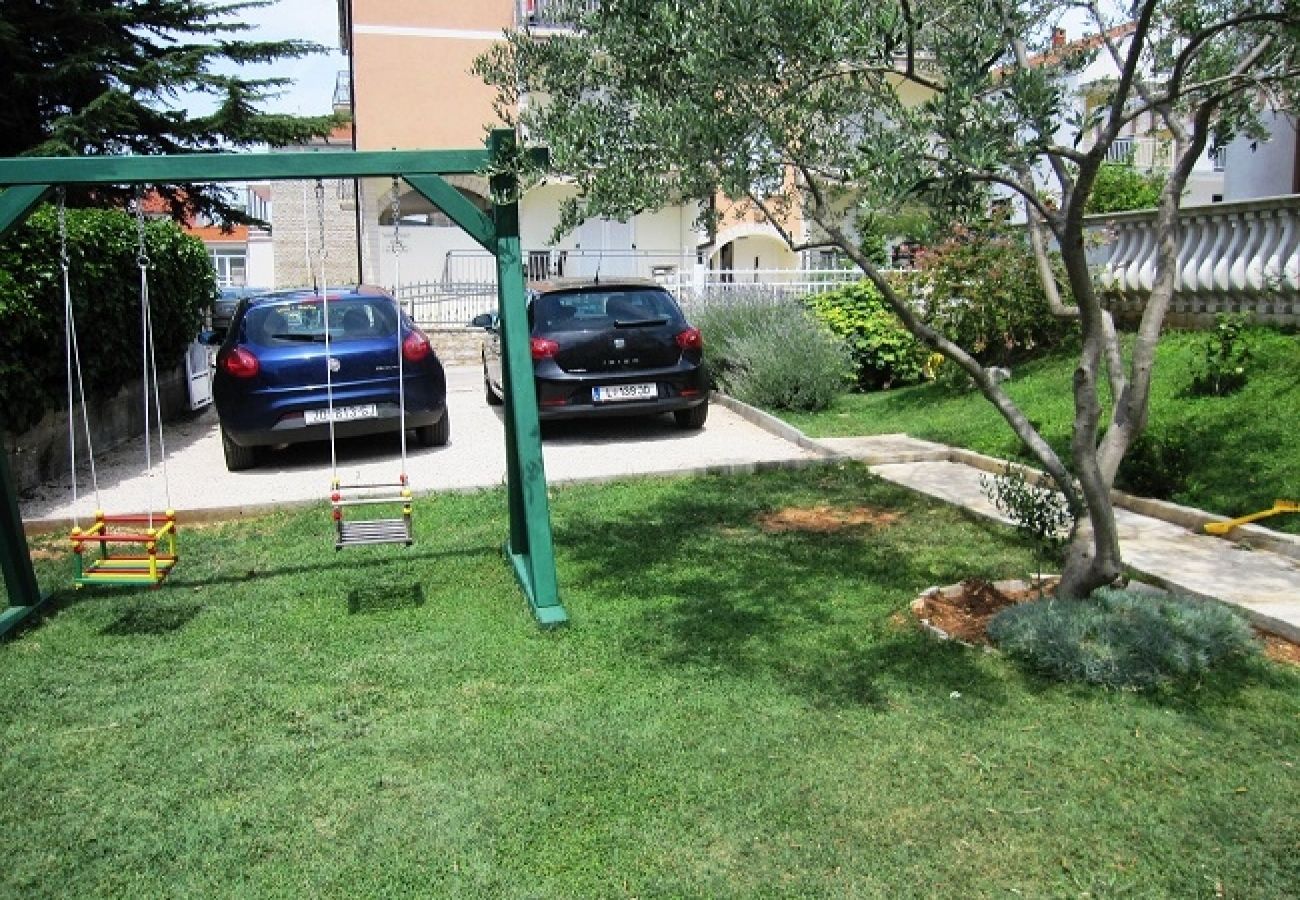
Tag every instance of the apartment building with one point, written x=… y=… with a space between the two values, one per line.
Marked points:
x=412 y=88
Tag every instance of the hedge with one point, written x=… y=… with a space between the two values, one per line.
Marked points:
x=106 y=301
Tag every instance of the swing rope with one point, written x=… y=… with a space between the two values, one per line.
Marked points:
x=397 y=283
x=321 y=254
x=149 y=364
x=73 y=352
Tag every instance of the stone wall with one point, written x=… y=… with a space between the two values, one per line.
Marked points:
x=297 y=233
x=41 y=453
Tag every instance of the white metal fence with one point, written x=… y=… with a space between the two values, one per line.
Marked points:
x=468 y=284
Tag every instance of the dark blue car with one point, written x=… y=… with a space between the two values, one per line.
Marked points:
x=270 y=380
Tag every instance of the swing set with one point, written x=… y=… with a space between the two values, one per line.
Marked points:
x=151 y=554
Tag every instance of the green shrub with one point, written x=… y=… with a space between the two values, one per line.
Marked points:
x=1120 y=186
x=1157 y=465
x=981 y=291
x=106 y=296
x=1121 y=639
x=1041 y=514
x=885 y=354
x=1225 y=356
x=772 y=354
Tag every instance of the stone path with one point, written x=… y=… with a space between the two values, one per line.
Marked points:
x=1263 y=583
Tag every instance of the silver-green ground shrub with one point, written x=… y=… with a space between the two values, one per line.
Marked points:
x=1121 y=639
x=772 y=353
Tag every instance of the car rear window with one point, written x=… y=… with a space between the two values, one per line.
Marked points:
x=586 y=310
x=299 y=321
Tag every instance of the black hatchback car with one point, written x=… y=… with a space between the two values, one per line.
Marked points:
x=607 y=349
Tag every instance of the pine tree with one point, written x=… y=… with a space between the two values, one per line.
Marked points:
x=101 y=77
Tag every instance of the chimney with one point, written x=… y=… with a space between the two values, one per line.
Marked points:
x=1058 y=38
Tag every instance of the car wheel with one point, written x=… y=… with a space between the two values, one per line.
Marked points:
x=237 y=458
x=692 y=419
x=437 y=434
x=492 y=397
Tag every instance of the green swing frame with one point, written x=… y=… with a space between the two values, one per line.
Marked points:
x=529 y=547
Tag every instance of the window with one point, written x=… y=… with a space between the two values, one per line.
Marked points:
x=230 y=264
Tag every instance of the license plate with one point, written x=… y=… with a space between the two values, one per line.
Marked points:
x=616 y=392
x=341 y=414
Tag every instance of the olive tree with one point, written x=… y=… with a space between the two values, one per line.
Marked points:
x=831 y=112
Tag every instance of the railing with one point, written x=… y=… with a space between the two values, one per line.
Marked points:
x=553 y=13
x=1142 y=152
x=1231 y=257
x=468 y=284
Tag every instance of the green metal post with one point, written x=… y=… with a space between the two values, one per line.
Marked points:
x=16 y=202
x=531 y=549
x=20 y=579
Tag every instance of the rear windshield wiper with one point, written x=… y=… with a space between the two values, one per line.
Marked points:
x=304 y=338
x=638 y=323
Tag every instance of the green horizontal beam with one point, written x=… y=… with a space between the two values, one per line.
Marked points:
x=453 y=203
x=207 y=167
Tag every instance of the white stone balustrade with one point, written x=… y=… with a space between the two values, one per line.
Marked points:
x=1232 y=257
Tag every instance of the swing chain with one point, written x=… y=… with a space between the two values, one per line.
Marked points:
x=64 y=262
x=320 y=218
x=141 y=252
x=398 y=246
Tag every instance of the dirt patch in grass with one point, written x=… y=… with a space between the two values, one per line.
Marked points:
x=962 y=612
x=1279 y=649
x=825 y=519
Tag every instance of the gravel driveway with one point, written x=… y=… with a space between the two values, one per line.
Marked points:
x=474 y=458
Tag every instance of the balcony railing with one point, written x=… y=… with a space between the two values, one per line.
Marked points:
x=1142 y=152
x=553 y=13
x=1232 y=257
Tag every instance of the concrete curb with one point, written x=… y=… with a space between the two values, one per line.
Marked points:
x=772 y=425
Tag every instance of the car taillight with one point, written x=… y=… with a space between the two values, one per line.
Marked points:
x=690 y=339
x=416 y=346
x=239 y=363
x=543 y=348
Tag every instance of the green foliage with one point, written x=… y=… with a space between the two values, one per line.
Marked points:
x=1121 y=639
x=982 y=291
x=772 y=354
x=884 y=352
x=1226 y=354
x=105 y=284
x=89 y=79
x=1041 y=515
x=1160 y=464
x=1120 y=187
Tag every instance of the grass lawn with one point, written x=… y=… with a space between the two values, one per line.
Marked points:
x=732 y=713
x=1230 y=455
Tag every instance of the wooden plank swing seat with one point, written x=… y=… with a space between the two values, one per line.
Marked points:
x=360 y=532
x=126 y=557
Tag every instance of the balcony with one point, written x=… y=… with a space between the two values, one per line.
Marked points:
x=1147 y=153
x=559 y=14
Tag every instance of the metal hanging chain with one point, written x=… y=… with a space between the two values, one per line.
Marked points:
x=397 y=285
x=321 y=254
x=149 y=363
x=74 y=366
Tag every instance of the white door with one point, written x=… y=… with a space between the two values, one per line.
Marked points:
x=199 y=375
x=606 y=249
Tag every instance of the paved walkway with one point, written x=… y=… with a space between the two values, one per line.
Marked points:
x=1264 y=584
x=579 y=450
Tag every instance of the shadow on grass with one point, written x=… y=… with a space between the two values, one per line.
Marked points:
x=152 y=619
x=342 y=561
x=707 y=589
x=384 y=596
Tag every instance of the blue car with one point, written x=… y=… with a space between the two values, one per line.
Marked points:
x=270 y=379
